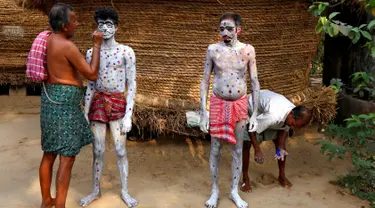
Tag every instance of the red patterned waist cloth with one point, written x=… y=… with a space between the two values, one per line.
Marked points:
x=224 y=116
x=107 y=107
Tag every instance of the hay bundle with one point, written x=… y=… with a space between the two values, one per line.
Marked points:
x=321 y=100
x=163 y=120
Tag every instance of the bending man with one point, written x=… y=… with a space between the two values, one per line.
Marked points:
x=277 y=116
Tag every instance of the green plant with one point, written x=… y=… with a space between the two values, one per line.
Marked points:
x=333 y=28
x=317 y=65
x=364 y=85
x=357 y=138
x=336 y=84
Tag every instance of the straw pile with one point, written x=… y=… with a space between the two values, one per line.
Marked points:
x=321 y=100
x=170 y=39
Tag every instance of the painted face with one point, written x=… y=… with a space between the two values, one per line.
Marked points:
x=107 y=27
x=228 y=30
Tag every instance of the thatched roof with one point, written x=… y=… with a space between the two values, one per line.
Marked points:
x=170 y=40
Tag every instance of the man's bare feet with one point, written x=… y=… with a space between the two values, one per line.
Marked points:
x=237 y=200
x=48 y=204
x=212 y=202
x=90 y=198
x=246 y=187
x=258 y=156
x=284 y=182
x=129 y=200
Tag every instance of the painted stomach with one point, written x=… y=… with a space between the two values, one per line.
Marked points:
x=229 y=89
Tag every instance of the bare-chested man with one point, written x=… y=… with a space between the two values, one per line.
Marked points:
x=106 y=102
x=64 y=128
x=228 y=60
x=276 y=117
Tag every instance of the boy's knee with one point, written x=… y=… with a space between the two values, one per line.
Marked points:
x=120 y=150
x=98 y=150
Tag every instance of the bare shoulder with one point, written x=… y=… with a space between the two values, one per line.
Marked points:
x=212 y=48
x=215 y=46
x=125 y=50
x=69 y=44
x=69 y=48
x=249 y=50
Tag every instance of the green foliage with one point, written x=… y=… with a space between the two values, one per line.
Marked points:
x=364 y=85
x=317 y=65
x=356 y=137
x=336 y=84
x=335 y=28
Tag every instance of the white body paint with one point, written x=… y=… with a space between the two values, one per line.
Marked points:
x=117 y=72
x=228 y=61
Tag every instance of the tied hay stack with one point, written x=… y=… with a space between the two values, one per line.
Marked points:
x=17 y=30
x=170 y=39
x=321 y=100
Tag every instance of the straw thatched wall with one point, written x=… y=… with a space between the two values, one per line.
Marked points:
x=170 y=40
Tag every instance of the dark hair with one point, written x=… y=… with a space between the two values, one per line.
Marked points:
x=59 y=15
x=301 y=112
x=230 y=15
x=106 y=13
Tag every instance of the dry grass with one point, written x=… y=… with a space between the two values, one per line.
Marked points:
x=321 y=100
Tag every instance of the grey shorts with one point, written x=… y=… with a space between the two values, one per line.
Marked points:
x=268 y=134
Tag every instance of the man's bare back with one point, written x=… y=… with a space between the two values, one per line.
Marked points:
x=60 y=70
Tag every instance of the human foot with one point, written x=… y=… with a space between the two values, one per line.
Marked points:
x=284 y=182
x=212 y=202
x=90 y=198
x=246 y=187
x=129 y=201
x=237 y=200
x=258 y=156
x=49 y=203
x=281 y=154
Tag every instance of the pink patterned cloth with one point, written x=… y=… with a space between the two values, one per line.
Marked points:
x=224 y=116
x=36 y=63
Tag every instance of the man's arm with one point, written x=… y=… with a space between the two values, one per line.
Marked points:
x=281 y=137
x=205 y=84
x=255 y=86
x=281 y=153
x=130 y=70
x=90 y=87
x=74 y=56
x=254 y=141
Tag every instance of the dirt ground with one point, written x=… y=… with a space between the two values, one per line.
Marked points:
x=170 y=172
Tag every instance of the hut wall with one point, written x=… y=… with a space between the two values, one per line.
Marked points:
x=170 y=39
